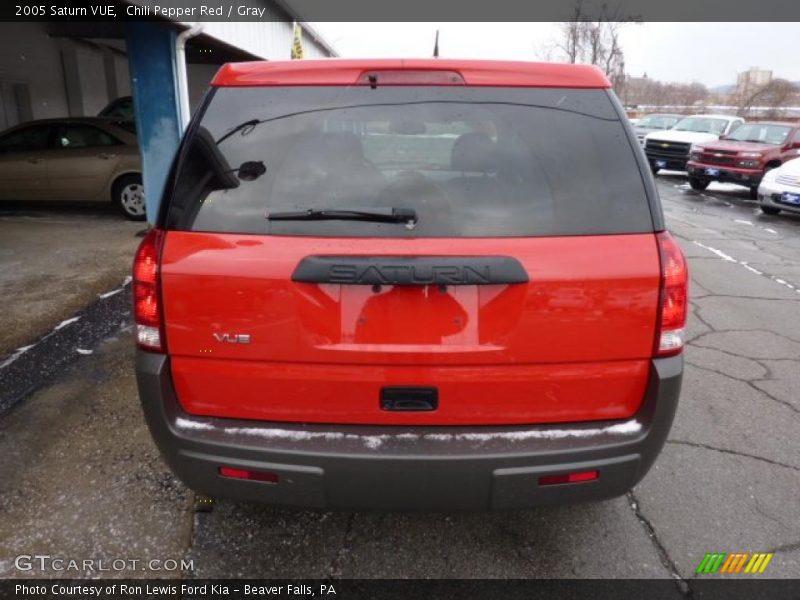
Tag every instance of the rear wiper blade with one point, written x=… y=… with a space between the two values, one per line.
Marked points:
x=375 y=215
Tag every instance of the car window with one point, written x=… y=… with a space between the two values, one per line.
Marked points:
x=121 y=109
x=702 y=125
x=470 y=161
x=84 y=136
x=734 y=125
x=28 y=139
x=128 y=126
x=657 y=122
x=763 y=133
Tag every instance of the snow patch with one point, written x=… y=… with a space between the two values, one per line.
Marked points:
x=110 y=293
x=725 y=187
x=375 y=441
x=628 y=427
x=65 y=323
x=743 y=222
x=17 y=353
x=189 y=424
x=83 y=351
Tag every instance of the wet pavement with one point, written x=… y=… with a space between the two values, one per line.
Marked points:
x=81 y=479
x=54 y=261
x=79 y=475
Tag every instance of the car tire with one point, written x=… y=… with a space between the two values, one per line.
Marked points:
x=754 y=192
x=654 y=169
x=770 y=210
x=698 y=184
x=128 y=195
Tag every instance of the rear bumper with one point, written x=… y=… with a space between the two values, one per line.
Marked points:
x=770 y=195
x=407 y=468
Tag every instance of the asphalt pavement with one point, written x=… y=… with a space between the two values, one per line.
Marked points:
x=79 y=475
x=55 y=260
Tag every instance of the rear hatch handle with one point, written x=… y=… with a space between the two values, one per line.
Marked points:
x=409 y=399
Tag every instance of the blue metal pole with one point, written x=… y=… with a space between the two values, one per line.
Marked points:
x=154 y=81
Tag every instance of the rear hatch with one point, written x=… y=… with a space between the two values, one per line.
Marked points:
x=524 y=290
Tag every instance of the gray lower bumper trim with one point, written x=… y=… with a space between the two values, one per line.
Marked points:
x=374 y=467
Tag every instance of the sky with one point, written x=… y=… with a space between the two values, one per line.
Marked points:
x=709 y=53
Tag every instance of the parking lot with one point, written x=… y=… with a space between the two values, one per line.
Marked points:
x=81 y=477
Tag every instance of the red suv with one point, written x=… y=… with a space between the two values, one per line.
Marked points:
x=744 y=155
x=410 y=284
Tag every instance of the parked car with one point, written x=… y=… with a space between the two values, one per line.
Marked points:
x=780 y=189
x=654 y=122
x=72 y=159
x=371 y=288
x=120 y=109
x=744 y=156
x=670 y=149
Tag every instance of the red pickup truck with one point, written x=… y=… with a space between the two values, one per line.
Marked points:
x=744 y=155
x=410 y=284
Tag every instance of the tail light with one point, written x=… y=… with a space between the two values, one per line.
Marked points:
x=673 y=297
x=147 y=309
x=577 y=477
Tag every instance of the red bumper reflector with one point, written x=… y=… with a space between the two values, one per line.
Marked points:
x=249 y=475
x=580 y=477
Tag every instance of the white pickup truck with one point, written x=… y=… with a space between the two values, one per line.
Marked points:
x=670 y=149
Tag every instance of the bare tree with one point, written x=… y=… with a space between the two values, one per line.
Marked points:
x=593 y=37
x=650 y=92
x=775 y=94
x=572 y=34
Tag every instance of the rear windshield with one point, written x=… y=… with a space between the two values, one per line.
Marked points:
x=470 y=161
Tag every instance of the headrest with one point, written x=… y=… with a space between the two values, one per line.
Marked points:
x=474 y=151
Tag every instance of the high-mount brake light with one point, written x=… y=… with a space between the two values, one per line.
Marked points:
x=410 y=77
x=147 y=309
x=673 y=297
